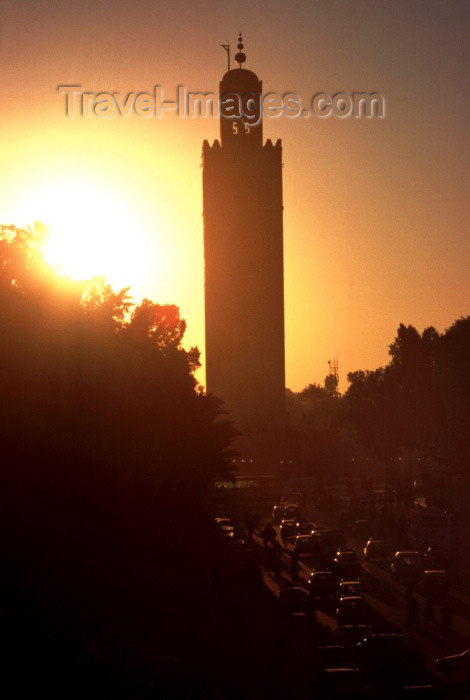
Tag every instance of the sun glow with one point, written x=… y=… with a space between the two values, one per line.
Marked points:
x=92 y=231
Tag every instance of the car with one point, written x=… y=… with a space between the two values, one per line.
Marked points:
x=435 y=583
x=239 y=549
x=225 y=526
x=279 y=514
x=455 y=666
x=330 y=541
x=292 y=510
x=435 y=559
x=361 y=529
x=375 y=551
x=288 y=531
x=406 y=567
x=346 y=564
x=341 y=683
x=293 y=599
x=321 y=584
x=305 y=544
x=350 y=635
x=345 y=589
x=350 y=610
x=318 y=531
x=389 y=652
x=332 y=656
x=305 y=527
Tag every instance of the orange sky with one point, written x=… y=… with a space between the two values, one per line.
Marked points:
x=375 y=211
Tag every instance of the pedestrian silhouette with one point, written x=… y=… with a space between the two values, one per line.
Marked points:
x=268 y=534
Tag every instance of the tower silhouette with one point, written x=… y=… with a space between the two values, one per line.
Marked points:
x=243 y=251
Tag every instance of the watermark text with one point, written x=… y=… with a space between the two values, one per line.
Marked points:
x=250 y=107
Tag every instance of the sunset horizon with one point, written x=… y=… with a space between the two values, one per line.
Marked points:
x=369 y=242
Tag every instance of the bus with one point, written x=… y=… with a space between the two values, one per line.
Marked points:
x=428 y=526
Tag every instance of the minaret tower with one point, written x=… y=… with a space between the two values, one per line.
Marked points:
x=244 y=287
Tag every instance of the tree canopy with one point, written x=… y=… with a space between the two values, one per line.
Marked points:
x=418 y=403
x=421 y=399
x=97 y=378
x=108 y=443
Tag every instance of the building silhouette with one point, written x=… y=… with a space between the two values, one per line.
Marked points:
x=244 y=287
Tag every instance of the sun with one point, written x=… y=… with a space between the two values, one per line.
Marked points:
x=92 y=231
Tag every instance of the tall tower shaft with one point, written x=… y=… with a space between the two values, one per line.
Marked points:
x=244 y=287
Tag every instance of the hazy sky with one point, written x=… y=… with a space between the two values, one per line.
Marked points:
x=375 y=211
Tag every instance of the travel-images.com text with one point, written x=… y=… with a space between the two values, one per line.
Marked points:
x=249 y=107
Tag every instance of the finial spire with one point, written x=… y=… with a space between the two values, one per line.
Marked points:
x=227 y=49
x=240 y=57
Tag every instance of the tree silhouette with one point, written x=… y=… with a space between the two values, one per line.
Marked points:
x=420 y=401
x=453 y=362
x=108 y=444
x=321 y=438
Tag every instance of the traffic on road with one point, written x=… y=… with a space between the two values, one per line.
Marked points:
x=380 y=622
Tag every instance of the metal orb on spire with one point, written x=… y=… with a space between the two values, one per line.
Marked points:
x=240 y=57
